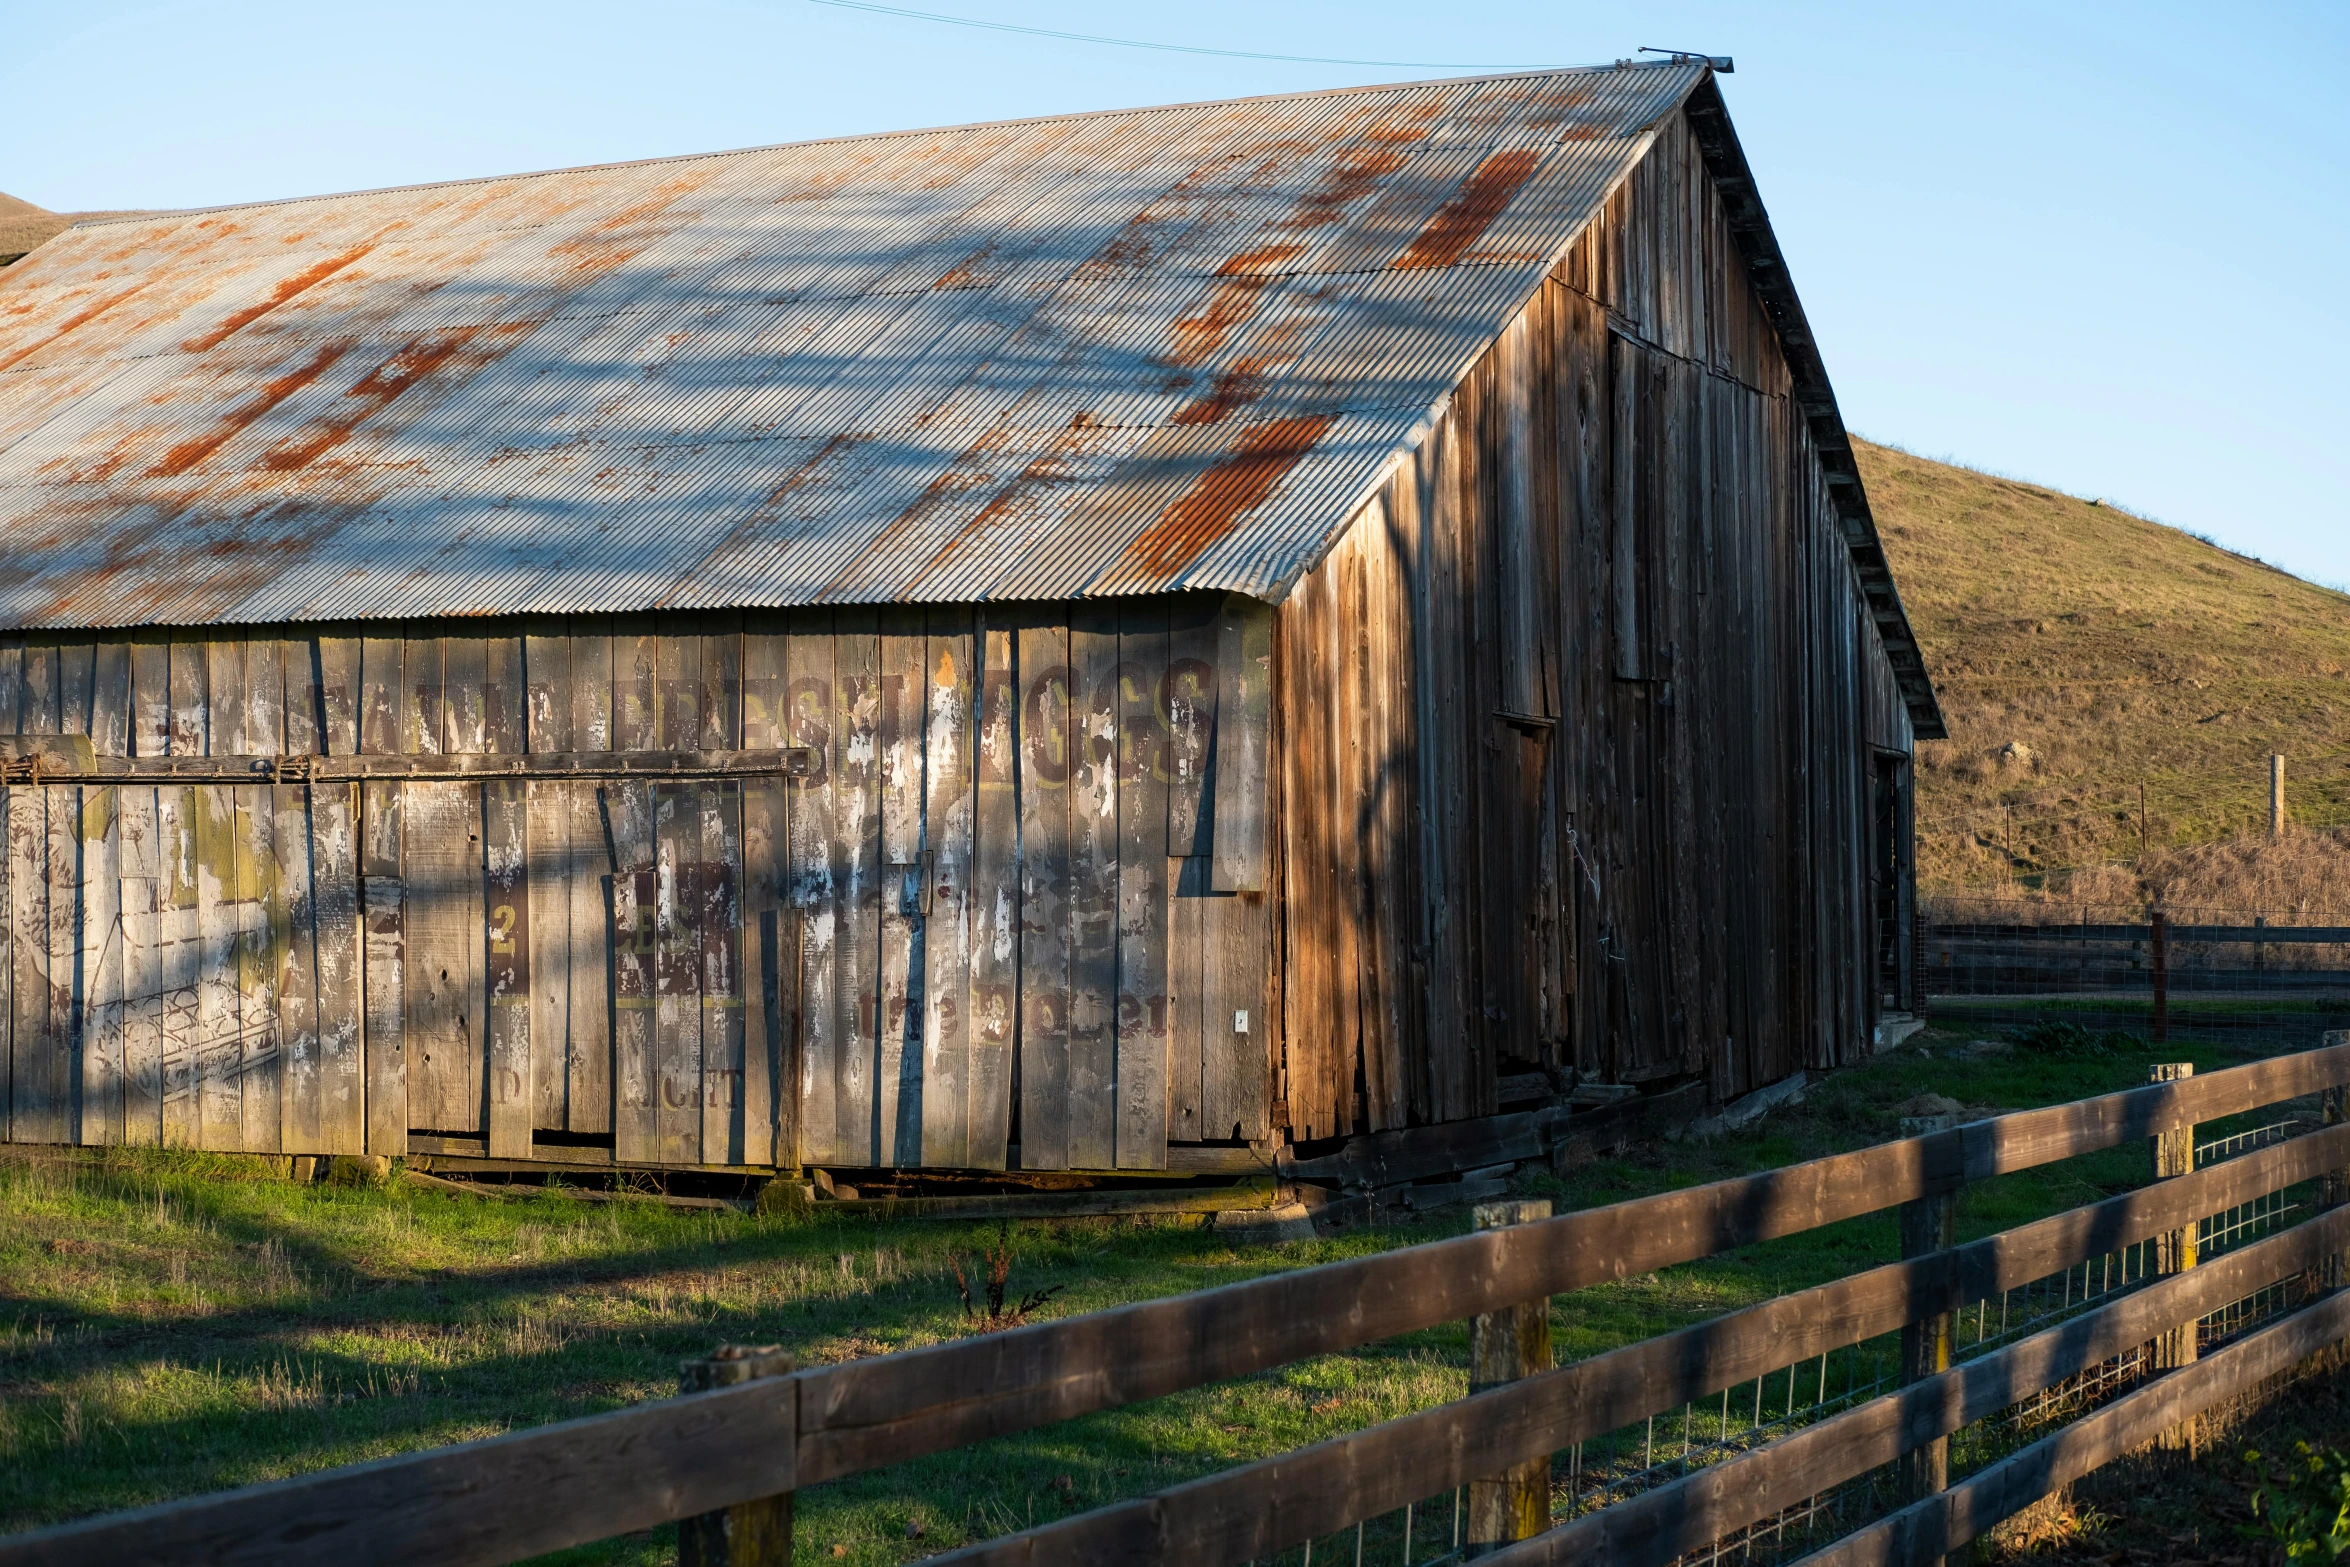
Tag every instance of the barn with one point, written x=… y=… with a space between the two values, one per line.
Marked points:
x=1103 y=643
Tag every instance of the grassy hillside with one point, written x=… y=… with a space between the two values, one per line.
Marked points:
x=2080 y=653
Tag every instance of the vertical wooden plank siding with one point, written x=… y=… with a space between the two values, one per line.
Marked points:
x=678 y=889
x=1046 y=715
x=857 y=877
x=1239 y=1028
x=1189 y=713
x=1093 y=888
x=812 y=886
x=993 y=1011
x=1144 y=766
x=948 y=692
x=898 y=740
x=508 y=894
x=770 y=969
x=547 y=696
x=587 y=867
x=383 y=903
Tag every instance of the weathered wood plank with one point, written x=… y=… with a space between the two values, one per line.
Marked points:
x=548 y=692
x=677 y=989
x=104 y=1011
x=718 y=922
x=263 y=940
x=584 y=1480
x=1190 y=716
x=383 y=960
x=994 y=907
x=547 y=812
x=508 y=939
x=948 y=691
x=264 y=934
x=465 y=693
x=422 y=700
x=302 y=1084
x=1093 y=888
x=898 y=1082
x=1236 y=1015
x=37 y=1043
x=507 y=975
x=337 y=964
x=338 y=667
x=858 y=876
x=812 y=885
x=770 y=968
x=441 y=875
x=1187 y=888
x=1047 y=750
x=1145 y=768
x=635 y=904
x=678 y=891
x=140 y=864
x=179 y=946
x=220 y=1119
x=1243 y=746
x=588 y=866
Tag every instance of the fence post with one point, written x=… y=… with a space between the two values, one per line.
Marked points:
x=2174 y=1251
x=2336 y=1190
x=1928 y=1224
x=2158 y=924
x=749 y=1534
x=1507 y=1346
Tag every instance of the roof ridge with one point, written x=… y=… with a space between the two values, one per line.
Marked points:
x=103 y=220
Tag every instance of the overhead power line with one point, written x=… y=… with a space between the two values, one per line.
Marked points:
x=1137 y=43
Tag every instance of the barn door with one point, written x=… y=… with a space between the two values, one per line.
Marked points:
x=689 y=1086
x=574 y=966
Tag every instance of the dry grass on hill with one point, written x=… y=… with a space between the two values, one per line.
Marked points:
x=2081 y=652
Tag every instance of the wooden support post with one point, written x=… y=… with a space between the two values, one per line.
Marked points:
x=2159 y=933
x=2174 y=1251
x=1507 y=1346
x=2276 y=797
x=749 y=1534
x=1928 y=1225
x=2336 y=1189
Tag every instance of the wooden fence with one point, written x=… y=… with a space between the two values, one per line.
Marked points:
x=582 y=1480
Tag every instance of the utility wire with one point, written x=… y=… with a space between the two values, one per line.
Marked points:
x=1136 y=43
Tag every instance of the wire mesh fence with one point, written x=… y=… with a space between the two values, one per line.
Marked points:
x=2250 y=978
x=1608 y=1470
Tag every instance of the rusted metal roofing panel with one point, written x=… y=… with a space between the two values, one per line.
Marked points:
x=1092 y=354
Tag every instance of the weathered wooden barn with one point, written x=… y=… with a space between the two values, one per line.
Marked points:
x=1069 y=644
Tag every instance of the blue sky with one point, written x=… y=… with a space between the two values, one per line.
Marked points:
x=2100 y=248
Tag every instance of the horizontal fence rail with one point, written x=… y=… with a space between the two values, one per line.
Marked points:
x=588 y=1479
x=2245 y=978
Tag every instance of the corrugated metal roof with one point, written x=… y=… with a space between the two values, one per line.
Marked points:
x=1105 y=353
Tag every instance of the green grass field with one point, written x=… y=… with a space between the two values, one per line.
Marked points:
x=173 y=1324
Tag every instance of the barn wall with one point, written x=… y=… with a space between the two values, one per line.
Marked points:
x=1578 y=720
x=1004 y=909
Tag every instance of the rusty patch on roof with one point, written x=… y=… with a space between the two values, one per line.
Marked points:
x=1462 y=221
x=1220 y=497
x=188 y=453
x=414 y=361
x=78 y=319
x=301 y=282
